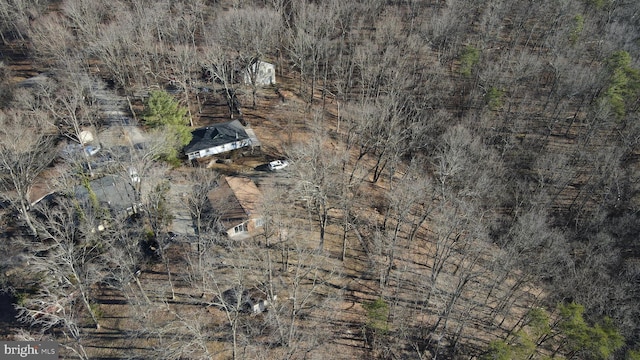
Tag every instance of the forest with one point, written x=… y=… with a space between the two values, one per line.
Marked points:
x=463 y=178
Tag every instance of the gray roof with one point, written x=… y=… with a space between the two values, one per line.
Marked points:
x=216 y=135
x=112 y=191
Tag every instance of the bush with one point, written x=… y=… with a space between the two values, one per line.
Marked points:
x=96 y=310
x=624 y=83
x=493 y=98
x=468 y=59
x=574 y=336
x=377 y=314
x=598 y=4
x=578 y=26
x=21 y=298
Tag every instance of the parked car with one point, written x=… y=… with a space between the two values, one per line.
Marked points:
x=133 y=174
x=278 y=164
x=91 y=150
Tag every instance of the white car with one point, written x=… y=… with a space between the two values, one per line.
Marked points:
x=91 y=150
x=133 y=174
x=278 y=164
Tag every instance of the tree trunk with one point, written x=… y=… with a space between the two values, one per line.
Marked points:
x=254 y=91
x=88 y=306
x=186 y=100
x=166 y=265
x=323 y=218
x=392 y=254
x=380 y=165
x=27 y=218
x=234 y=331
x=345 y=229
x=144 y=294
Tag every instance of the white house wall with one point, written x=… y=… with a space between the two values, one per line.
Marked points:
x=249 y=227
x=219 y=149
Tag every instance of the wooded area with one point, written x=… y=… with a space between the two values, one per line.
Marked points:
x=464 y=178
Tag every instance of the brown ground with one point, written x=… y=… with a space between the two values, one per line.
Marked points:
x=277 y=125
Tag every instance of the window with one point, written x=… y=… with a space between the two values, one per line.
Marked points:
x=259 y=222
x=240 y=228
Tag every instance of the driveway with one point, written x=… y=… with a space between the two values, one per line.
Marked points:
x=182 y=221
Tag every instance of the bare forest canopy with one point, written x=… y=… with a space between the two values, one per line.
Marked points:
x=464 y=178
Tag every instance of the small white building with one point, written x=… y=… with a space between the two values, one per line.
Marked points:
x=262 y=72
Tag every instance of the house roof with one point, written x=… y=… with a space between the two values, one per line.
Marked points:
x=114 y=191
x=216 y=135
x=237 y=199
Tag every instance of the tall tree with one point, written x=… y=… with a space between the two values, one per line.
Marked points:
x=65 y=263
x=315 y=166
x=248 y=35
x=26 y=149
x=66 y=102
x=163 y=112
x=309 y=42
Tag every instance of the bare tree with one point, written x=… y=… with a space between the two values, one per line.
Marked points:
x=15 y=16
x=305 y=282
x=132 y=46
x=26 y=149
x=221 y=68
x=205 y=218
x=183 y=64
x=401 y=202
x=352 y=177
x=534 y=246
x=125 y=259
x=65 y=263
x=67 y=103
x=156 y=208
x=315 y=167
x=470 y=251
x=186 y=22
x=230 y=295
x=51 y=38
x=247 y=35
x=309 y=39
x=86 y=18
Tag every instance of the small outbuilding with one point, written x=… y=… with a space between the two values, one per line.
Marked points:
x=246 y=300
x=260 y=73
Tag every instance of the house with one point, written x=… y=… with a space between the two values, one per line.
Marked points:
x=216 y=139
x=116 y=193
x=237 y=201
x=260 y=73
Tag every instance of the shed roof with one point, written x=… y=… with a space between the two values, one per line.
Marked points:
x=216 y=135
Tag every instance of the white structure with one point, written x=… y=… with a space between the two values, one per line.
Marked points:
x=85 y=137
x=264 y=73
x=216 y=139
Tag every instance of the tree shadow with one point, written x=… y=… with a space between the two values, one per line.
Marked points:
x=8 y=312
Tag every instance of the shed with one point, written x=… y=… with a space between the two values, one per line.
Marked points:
x=260 y=73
